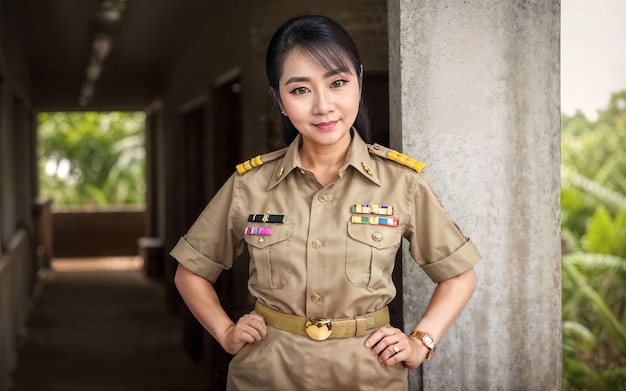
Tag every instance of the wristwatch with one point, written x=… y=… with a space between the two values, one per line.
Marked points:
x=426 y=341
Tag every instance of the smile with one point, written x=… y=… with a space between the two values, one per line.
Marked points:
x=325 y=125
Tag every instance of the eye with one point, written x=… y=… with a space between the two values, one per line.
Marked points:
x=299 y=90
x=338 y=83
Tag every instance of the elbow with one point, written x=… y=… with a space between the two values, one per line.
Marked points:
x=465 y=282
x=179 y=276
x=471 y=280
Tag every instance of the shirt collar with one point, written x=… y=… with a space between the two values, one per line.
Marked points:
x=358 y=157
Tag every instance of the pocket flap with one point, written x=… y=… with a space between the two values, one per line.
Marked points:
x=280 y=232
x=377 y=236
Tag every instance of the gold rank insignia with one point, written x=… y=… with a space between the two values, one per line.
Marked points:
x=257 y=161
x=397 y=157
x=249 y=165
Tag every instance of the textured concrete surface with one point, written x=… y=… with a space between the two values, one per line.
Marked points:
x=474 y=90
x=102 y=330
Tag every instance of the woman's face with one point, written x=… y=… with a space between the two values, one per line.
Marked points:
x=321 y=104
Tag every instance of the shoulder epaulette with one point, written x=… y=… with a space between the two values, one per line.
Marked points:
x=396 y=156
x=257 y=161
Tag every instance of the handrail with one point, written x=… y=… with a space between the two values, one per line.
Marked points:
x=17 y=269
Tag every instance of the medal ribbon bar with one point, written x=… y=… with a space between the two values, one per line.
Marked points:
x=383 y=210
x=375 y=220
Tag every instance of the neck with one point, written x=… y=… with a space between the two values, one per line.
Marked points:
x=324 y=160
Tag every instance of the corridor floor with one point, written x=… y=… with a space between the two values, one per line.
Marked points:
x=102 y=326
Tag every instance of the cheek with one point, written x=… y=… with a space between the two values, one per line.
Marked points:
x=353 y=105
x=294 y=108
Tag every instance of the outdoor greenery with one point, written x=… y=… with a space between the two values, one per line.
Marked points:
x=593 y=205
x=88 y=159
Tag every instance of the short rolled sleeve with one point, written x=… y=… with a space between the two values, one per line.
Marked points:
x=199 y=264
x=436 y=242
x=213 y=241
x=456 y=263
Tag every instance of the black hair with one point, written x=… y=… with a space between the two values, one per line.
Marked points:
x=328 y=44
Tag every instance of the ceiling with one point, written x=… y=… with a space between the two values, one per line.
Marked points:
x=62 y=38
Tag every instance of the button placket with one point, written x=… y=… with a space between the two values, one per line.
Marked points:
x=316 y=262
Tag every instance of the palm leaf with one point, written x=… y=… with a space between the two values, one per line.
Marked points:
x=577 y=336
x=602 y=193
x=594 y=298
x=594 y=261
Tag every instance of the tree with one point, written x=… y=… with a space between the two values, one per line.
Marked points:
x=88 y=158
x=593 y=205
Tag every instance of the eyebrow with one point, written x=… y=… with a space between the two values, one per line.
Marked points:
x=300 y=79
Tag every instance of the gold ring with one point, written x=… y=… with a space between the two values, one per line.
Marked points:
x=396 y=348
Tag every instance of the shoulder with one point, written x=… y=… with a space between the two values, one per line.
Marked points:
x=259 y=160
x=395 y=156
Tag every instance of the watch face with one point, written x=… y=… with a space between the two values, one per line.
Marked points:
x=429 y=341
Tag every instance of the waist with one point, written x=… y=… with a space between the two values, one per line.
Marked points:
x=321 y=329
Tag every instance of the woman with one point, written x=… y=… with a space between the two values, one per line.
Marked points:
x=323 y=220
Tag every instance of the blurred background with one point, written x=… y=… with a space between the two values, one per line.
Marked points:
x=593 y=194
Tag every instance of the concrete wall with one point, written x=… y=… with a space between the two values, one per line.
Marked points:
x=475 y=93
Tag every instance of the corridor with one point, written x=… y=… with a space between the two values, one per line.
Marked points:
x=100 y=324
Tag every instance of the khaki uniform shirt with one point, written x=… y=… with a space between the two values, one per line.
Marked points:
x=318 y=263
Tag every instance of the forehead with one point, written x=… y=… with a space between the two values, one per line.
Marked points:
x=324 y=61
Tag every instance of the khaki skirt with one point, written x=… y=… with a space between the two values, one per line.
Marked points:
x=285 y=361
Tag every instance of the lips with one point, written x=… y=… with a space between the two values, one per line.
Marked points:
x=325 y=125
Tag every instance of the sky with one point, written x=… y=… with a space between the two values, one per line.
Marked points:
x=593 y=54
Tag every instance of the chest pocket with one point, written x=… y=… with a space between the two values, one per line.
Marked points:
x=371 y=254
x=270 y=255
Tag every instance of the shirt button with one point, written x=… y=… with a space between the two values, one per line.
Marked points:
x=316 y=243
x=322 y=198
x=261 y=240
x=377 y=236
x=316 y=298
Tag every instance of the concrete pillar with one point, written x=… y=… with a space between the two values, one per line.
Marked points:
x=474 y=89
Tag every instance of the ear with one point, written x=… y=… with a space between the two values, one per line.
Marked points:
x=276 y=97
x=361 y=78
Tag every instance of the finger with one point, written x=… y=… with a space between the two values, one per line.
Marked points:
x=386 y=354
x=249 y=333
x=379 y=334
x=256 y=317
x=387 y=341
x=392 y=355
x=257 y=323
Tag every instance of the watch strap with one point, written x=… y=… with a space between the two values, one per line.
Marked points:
x=426 y=340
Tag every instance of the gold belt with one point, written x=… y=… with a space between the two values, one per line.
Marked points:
x=321 y=329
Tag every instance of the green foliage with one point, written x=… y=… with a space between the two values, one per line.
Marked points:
x=593 y=205
x=88 y=158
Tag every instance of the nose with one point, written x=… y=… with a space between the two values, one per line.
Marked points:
x=323 y=102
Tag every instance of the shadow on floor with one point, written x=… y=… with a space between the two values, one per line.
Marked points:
x=102 y=328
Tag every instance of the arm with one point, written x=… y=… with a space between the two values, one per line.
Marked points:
x=202 y=300
x=446 y=304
